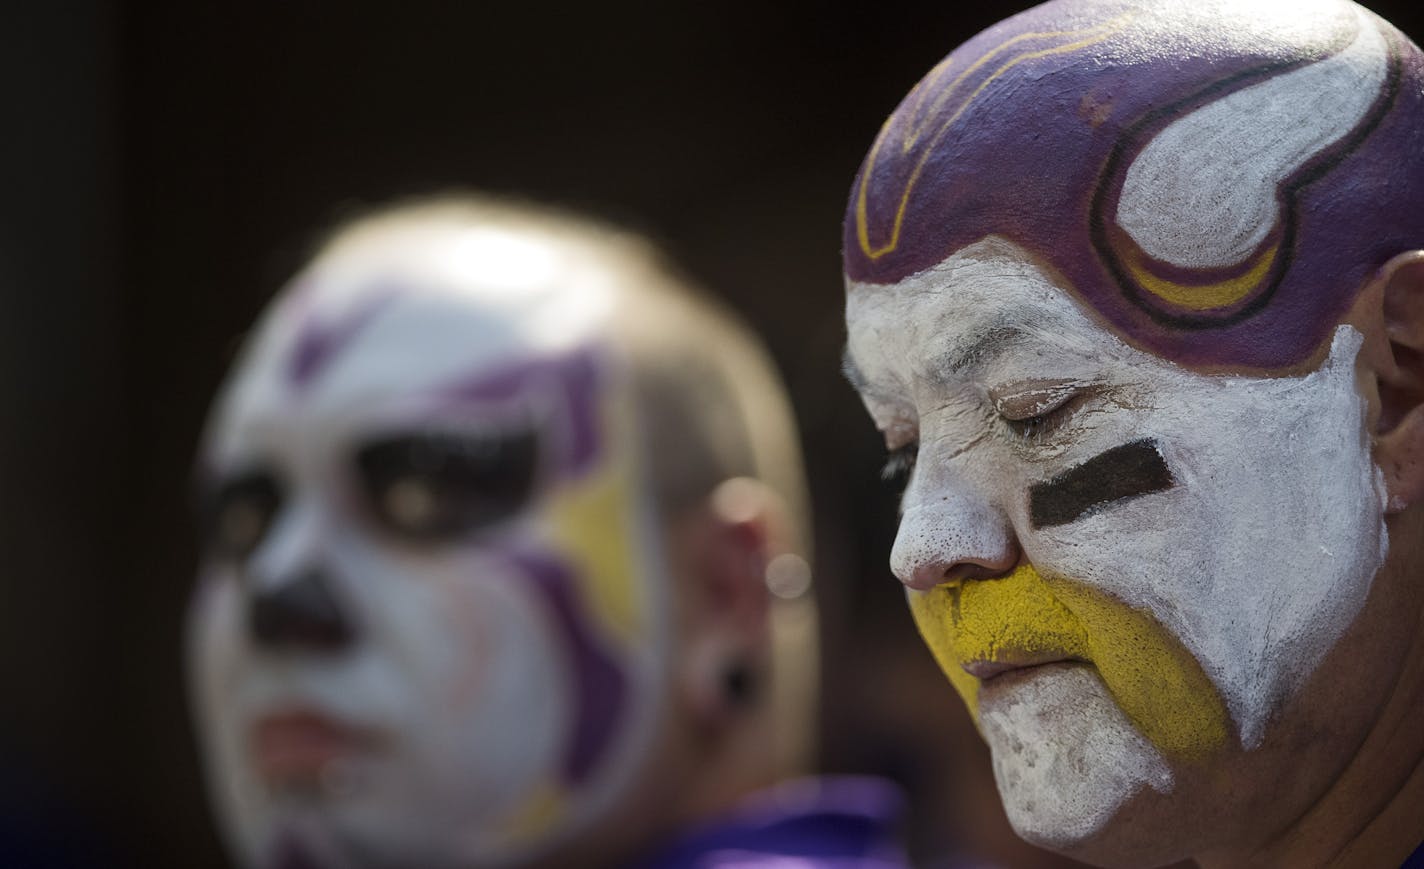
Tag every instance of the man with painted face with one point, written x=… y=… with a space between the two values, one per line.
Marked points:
x=503 y=565
x=1135 y=292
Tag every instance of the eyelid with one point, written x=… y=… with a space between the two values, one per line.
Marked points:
x=1027 y=400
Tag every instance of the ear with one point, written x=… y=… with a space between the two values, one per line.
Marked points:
x=1399 y=442
x=726 y=546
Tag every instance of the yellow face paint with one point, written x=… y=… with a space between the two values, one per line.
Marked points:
x=533 y=816
x=592 y=523
x=1023 y=618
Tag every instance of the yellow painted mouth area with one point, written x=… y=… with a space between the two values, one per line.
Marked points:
x=1022 y=617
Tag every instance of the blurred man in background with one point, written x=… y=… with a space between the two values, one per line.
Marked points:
x=505 y=566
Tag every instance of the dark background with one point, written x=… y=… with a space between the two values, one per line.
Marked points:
x=165 y=166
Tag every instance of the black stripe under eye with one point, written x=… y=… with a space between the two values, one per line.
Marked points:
x=438 y=487
x=1122 y=472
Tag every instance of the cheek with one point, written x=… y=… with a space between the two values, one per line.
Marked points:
x=1260 y=555
x=510 y=683
x=473 y=622
x=493 y=694
x=215 y=644
x=1155 y=680
x=472 y=642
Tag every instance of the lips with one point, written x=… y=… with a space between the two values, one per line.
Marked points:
x=1010 y=661
x=297 y=747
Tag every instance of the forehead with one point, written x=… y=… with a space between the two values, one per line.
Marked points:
x=957 y=320
x=398 y=312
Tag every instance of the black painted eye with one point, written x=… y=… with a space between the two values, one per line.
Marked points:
x=440 y=487
x=239 y=514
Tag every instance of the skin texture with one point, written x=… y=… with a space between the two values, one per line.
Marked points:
x=1189 y=689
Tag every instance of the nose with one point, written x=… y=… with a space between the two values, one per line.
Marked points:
x=950 y=537
x=299 y=614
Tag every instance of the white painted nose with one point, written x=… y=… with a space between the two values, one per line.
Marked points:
x=295 y=544
x=949 y=536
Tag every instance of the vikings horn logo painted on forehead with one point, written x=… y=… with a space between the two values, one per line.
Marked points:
x=1211 y=190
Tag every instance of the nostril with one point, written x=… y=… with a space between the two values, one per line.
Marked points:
x=951 y=541
x=970 y=570
x=301 y=614
x=930 y=576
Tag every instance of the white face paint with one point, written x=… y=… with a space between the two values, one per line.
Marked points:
x=402 y=651
x=1184 y=205
x=1256 y=558
x=1065 y=756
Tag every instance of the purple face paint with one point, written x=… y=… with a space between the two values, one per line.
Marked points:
x=574 y=379
x=319 y=342
x=1058 y=129
x=600 y=687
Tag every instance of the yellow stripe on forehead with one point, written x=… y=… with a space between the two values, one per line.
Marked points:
x=1155 y=681
x=593 y=524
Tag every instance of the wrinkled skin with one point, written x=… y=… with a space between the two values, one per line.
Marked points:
x=1254 y=560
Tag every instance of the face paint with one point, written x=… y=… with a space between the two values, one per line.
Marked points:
x=980 y=629
x=1122 y=472
x=1188 y=546
x=427 y=630
x=1213 y=179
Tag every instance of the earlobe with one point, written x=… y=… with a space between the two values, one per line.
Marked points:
x=1399 y=445
x=727 y=628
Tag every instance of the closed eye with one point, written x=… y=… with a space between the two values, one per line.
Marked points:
x=1037 y=413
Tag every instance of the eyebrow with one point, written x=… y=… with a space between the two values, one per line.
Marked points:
x=1001 y=335
x=997 y=339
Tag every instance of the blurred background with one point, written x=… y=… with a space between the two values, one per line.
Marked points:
x=166 y=166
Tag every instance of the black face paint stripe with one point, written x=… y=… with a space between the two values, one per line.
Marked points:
x=1120 y=473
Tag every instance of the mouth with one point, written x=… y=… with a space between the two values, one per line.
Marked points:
x=303 y=748
x=1007 y=663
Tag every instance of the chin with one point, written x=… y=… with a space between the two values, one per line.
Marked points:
x=363 y=837
x=1070 y=768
